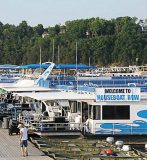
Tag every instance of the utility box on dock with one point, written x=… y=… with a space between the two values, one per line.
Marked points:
x=5 y=122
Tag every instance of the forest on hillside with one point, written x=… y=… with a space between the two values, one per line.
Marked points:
x=97 y=41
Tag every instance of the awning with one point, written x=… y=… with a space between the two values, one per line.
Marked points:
x=57 y=95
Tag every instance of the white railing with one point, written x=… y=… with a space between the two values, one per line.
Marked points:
x=45 y=123
x=50 y=127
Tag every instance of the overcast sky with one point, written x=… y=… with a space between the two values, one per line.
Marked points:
x=52 y=12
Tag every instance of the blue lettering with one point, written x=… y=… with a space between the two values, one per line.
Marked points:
x=98 y=97
x=110 y=97
x=133 y=97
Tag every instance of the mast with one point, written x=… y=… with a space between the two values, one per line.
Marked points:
x=89 y=62
x=40 y=60
x=76 y=63
x=58 y=53
x=53 y=50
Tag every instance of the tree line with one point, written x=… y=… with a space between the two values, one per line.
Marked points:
x=95 y=41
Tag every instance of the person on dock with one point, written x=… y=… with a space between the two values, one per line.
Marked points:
x=23 y=139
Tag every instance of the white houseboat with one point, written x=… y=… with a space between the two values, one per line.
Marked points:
x=108 y=111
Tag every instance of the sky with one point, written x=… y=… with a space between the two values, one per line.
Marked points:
x=52 y=12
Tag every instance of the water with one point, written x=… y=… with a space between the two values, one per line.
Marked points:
x=80 y=148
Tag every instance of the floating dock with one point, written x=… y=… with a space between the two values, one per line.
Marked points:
x=10 y=150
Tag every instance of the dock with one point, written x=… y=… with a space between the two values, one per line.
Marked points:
x=10 y=149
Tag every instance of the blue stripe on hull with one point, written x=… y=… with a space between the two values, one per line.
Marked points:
x=137 y=127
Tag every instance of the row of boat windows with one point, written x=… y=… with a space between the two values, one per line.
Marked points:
x=105 y=112
x=109 y=112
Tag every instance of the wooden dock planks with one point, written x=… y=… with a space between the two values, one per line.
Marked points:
x=10 y=150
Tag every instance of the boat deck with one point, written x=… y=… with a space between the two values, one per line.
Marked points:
x=63 y=133
x=10 y=150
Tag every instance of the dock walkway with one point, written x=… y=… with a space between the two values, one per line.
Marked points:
x=10 y=150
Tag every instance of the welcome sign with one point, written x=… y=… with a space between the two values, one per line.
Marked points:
x=118 y=94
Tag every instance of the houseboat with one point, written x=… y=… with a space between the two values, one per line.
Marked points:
x=107 y=111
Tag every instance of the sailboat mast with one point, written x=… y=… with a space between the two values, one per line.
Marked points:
x=76 y=55
x=53 y=50
x=58 y=53
x=40 y=59
x=77 y=63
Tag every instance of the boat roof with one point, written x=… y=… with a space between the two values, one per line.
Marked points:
x=65 y=95
x=57 y=95
x=9 y=66
x=26 y=89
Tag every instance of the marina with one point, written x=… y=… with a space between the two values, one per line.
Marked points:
x=76 y=110
x=76 y=88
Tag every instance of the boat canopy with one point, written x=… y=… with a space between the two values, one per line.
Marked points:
x=74 y=66
x=34 y=66
x=58 y=66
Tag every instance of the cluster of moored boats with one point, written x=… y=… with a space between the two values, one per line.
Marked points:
x=89 y=105
x=81 y=105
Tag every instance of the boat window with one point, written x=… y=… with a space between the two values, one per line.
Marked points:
x=50 y=103
x=96 y=113
x=32 y=106
x=73 y=106
x=79 y=107
x=115 y=112
x=84 y=111
x=36 y=106
x=25 y=105
x=43 y=107
x=90 y=112
x=63 y=102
